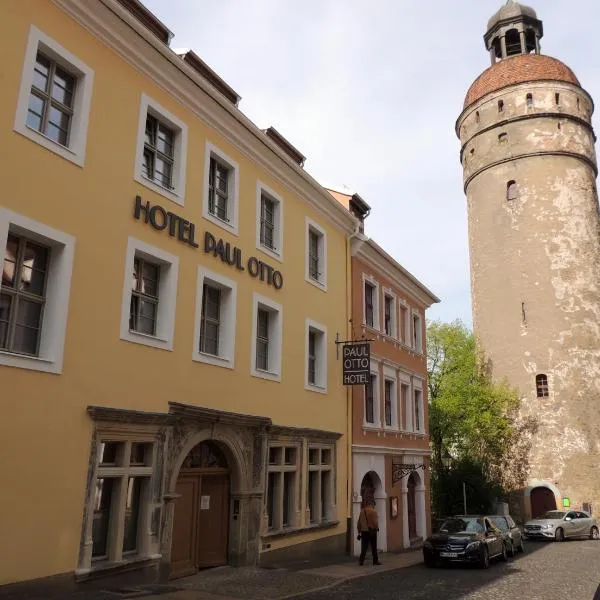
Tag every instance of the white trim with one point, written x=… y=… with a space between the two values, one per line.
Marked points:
x=180 y=129
x=167 y=295
x=366 y=449
x=394 y=314
x=233 y=188
x=376 y=301
x=390 y=374
x=58 y=287
x=277 y=252
x=321 y=357
x=275 y=338
x=309 y=225
x=417 y=386
x=406 y=403
x=228 y=312
x=376 y=424
x=75 y=151
x=417 y=345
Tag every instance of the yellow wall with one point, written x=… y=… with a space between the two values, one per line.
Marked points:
x=45 y=432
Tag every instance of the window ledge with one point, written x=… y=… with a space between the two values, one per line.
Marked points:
x=26 y=361
x=171 y=194
x=315 y=388
x=227 y=225
x=272 y=252
x=147 y=340
x=273 y=535
x=43 y=140
x=213 y=359
x=317 y=283
x=371 y=427
x=269 y=375
x=391 y=429
x=103 y=568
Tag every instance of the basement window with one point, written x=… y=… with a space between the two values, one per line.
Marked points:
x=541 y=385
x=512 y=191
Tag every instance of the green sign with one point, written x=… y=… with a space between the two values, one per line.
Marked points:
x=566 y=502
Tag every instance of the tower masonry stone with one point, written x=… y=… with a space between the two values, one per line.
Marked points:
x=529 y=165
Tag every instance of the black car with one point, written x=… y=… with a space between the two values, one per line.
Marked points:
x=465 y=539
x=512 y=534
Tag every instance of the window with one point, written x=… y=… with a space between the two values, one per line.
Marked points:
x=214 y=329
x=529 y=98
x=404 y=323
x=512 y=191
x=500 y=105
x=269 y=222
x=161 y=151
x=418 y=423
x=221 y=198
x=120 y=499
x=54 y=98
x=417 y=339
x=150 y=291
x=316 y=356
x=267 y=336
x=281 y=487
x=316 y=255
x=477 y=117
x=541 y=386
x=557 y=99
x=37 y=264
x=405 y=400
x=503 y=138
x=388 y=399
x=369 y=307
x=389 y=315
x=321 y=497
x=371 y=415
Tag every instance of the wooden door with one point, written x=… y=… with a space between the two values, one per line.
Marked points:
x=542 y=500
x=185 y=527
x=213 y=521
x=411 y=503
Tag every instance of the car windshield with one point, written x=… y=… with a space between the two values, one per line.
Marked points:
x=462 y=525
x=554 y=514
x=499 y=522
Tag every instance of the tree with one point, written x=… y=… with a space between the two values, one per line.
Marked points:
x=473 y=417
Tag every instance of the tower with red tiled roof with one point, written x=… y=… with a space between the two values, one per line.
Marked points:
x=529 y=164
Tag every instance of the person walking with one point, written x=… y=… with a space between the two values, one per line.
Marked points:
x=368 y=526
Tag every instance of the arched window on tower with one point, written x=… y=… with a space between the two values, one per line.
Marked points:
x=512 y=190
x=478 y=118
x=496 y=46
x=529 y=100
x=513 y=42
x=500 y=105
x=541 y=385
x=530 y=44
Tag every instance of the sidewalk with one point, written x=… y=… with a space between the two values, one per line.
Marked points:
x=254 y=583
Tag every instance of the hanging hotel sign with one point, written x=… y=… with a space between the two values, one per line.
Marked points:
x=357 y=363
x=185 y=231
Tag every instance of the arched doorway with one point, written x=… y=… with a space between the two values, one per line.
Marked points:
x=367 y=490
x=542 y=500
x=411 y=504
x=201 y=520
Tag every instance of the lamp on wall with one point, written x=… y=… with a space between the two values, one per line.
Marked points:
x=446 y=460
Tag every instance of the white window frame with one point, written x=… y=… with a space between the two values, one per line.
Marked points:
x=280 y=469
x=233 y=188
x=374 y=369
x=389 y=374
x=180 y=130
x=228 y=312
x=406 y=403
x=58 y=288
x=276 y=253
x=167 y=295
x=394 y=309
x=417 y=387
x=405 y=339
x=309 y=225
x=275 y=338
x=330 y=509
x=418 y=344
x=321 y=358
x=75 y=151
x=367 y=279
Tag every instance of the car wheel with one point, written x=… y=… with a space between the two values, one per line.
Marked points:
x=559 y=535
x=504 y=555
x=484 y=561
x=429 y=562
x=521 y=547
x=594 y=535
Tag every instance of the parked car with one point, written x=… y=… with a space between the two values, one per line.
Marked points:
x=562 y=524
x=465 y=539
x=512 y=534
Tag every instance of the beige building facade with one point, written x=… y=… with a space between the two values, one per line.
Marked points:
x=529 y=163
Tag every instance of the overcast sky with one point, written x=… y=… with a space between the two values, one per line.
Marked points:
x=369 y=91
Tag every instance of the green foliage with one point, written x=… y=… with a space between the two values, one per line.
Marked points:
x=473 y=418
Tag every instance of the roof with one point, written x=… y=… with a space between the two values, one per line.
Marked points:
x=519 y=69
x=511 y=10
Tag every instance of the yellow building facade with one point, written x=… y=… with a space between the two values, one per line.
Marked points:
x=173 y=283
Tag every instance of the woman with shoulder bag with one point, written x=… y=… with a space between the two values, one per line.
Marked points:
x=368 y=526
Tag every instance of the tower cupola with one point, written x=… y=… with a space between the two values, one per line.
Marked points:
x=514 y=29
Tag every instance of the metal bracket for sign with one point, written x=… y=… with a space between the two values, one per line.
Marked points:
x=338 y=342
x=401 y=470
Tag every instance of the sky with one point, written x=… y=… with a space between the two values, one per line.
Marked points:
x=369 y=91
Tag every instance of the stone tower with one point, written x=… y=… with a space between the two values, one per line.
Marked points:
x=527 y=151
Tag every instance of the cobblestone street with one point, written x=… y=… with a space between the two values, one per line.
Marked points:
x=547 y=571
